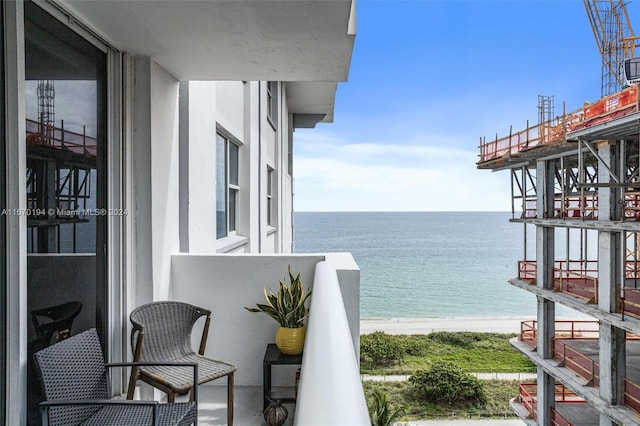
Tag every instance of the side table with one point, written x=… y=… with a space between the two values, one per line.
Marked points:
x=272 y=356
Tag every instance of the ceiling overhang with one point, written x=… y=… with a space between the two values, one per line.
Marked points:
x=307 y=43
x=281 y=40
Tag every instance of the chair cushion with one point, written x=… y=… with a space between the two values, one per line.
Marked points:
x=180 y=379
x=181 y=414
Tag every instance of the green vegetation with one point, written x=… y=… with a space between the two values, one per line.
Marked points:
x=440 y=385
x=380 y=349
x=447 y=383
x=381 y=353
x=403 y=394
x=380 y=410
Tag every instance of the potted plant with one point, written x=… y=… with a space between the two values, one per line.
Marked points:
x=288 y=308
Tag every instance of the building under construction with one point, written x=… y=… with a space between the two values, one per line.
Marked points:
x=575 y=187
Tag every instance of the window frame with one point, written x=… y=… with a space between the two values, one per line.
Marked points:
x=231 y=226
x=3 y=225
x=270 y=204
x=272 y=103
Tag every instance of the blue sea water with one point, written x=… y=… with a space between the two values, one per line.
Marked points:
x=425 y=265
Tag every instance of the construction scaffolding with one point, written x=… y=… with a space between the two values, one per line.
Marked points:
x=575 y=178
x=61 y=168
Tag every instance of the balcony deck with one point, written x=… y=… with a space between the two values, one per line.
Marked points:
x=576 y=347
x=569 y=409
x=212 y=407
x=557 y=134
x=578 y=413
x=579 y=278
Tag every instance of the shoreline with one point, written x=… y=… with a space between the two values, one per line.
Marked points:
x=430 y=325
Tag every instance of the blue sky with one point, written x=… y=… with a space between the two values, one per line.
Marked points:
x=427 y=80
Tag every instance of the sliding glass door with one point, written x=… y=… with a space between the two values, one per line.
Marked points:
x=3 y=228
x=65 y=100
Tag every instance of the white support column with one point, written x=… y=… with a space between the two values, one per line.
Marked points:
x=545 y=257
x=16 y=248
x=141 y=181
x=612 y=356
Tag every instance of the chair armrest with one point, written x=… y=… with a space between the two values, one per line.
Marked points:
x=45 y=405
x=193 y=365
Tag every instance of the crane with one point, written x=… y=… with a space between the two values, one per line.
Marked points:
x=615 y=39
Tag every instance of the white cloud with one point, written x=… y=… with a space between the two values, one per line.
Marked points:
x=336 y=176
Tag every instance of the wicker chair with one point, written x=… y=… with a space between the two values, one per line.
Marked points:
x=75 y=381
x=162 y=331
x=54 y=323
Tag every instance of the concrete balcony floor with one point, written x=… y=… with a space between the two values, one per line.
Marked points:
x=212 y=406
x=591 y=349
x=579 y=413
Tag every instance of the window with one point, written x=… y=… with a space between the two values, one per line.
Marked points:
x=270 y=215
x=226 y=186
x=67 y=116
x=272 y=103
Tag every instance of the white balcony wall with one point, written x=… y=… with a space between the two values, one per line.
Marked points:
x=202 y=171
x=330 y=375
x=155 y=178
x=230 y=107
x=227 y=283
x=164 y=175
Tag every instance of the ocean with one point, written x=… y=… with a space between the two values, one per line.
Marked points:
x=428 y=264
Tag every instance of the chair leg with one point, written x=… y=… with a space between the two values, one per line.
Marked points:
x=133 y=379
x=230 y=399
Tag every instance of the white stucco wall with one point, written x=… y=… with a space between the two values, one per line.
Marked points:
x=202 y=170
x=230 y=101
x=164 y=177
x=226 y=283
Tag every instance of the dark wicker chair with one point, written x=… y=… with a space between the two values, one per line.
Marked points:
x=75 y=381
x=162 y=331
x=54 y=323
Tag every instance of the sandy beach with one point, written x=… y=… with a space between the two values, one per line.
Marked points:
x=429 y=325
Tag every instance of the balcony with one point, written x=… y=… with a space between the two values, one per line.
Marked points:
x=582 y=207
x=227 y=283
x=569 y=410
x=576 y=348
x=556 y=132
x=579 y=279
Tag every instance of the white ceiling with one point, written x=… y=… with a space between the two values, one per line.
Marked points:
x=284 y=40
x=307 y=42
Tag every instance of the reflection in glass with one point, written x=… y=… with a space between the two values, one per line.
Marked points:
x=65 y=102
x=221 y=187
x=3 y=289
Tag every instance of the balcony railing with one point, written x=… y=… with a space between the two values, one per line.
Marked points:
x=571 y=358
x=579 y=363
x=555 y=131
x=575 y=277
x=330 y=391
x=60 y=138
x=528 y=399
x=583 y=207
x=631 y=302
x=564 y=329
x=632 y=395
x=580 y=278
x=225 y=283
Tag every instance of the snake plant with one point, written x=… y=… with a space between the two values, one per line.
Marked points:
x=287 y=305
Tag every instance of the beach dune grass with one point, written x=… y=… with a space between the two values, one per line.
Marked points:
x=402 y=394
x=471 y=351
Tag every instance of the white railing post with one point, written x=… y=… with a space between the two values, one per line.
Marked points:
x=330 y=390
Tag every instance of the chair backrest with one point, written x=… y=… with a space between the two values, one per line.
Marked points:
x=167 y=329
x=73 y=369
x=60 y=320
